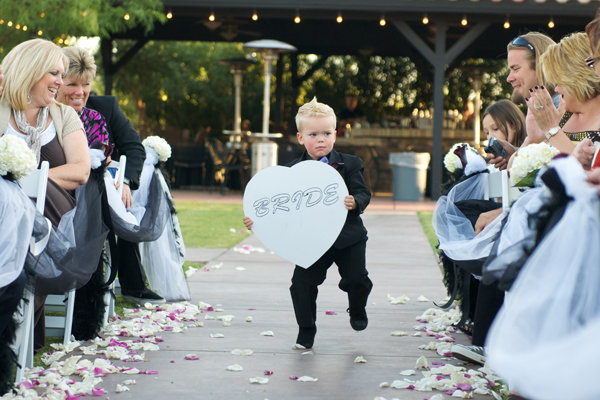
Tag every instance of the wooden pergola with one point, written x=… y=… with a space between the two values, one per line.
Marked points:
x=433 y=47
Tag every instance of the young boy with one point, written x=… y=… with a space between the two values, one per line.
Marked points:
x=316 y=124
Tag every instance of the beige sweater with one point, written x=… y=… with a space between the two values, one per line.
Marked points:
x=65 y=119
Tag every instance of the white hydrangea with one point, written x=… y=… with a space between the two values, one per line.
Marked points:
x=15 y=157
x=451 y=160
x=159 y=145
x=529 y=159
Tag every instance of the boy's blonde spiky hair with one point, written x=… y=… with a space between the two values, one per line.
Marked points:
x=313 y=109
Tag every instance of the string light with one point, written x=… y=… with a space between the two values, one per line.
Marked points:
x=211 y=17
x=297 y=18
x=551 y=23
x=339 y=18
x=9 y=23
x=40 y=32
x=254 y=16
x=24 y=28
x=42 y=15
x=425 y=19
x=84 y=13
x=1 y=21
x=506 y=23
x=464 y=21
x=382 y=21
x=169 y=14
x=126 y=17
x=17 y=26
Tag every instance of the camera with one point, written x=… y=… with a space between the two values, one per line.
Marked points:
x=494 y=147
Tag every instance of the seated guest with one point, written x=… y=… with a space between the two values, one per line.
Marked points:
x=126 y=142
x=33 y=73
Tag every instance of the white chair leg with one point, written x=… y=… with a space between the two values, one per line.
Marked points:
x=69 y=316
x=25 y=350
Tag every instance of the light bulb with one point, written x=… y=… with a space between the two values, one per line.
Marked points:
x=169 y=15
x=551 y=23
x=211 y=17
x=254 y=16
x=464 y=21
x=339 y=19
x=425 y=20
x=382 y=21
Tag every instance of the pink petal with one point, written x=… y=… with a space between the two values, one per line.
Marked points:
x=149 y=372
x=191 y=357
x=437 y=363
x=465 y=387
x=449 y=392
x=293 y=377
x=98 y=372
x=172 y=361
x=210 y=308
x=252 y=309
x=98 y=391
x=330 y=313
x=411 y=387
x=267 y=372
x=467 y=375
x=27 y=385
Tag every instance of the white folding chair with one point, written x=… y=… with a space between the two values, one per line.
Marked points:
x=34 y=185
x=109 y=300
x=498 y=186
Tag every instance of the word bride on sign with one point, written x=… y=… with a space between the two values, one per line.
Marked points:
x=298 y=212
x=311 y=196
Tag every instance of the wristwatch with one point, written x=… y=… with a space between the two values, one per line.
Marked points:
x=551 y=132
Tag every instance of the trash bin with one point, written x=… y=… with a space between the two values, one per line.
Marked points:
x=409 y=171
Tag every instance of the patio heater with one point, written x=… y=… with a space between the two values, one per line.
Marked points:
x=264 y=151
x=238 y=68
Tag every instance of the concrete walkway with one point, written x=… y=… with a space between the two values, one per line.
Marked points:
x=255 y=285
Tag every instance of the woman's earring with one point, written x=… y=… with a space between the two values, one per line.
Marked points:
x=28 y=98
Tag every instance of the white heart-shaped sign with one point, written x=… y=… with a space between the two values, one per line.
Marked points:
x=297 y=212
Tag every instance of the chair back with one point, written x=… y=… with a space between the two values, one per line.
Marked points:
x=34 y=185
x=120 y=175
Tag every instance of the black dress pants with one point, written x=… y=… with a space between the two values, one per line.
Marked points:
x=131 y=273
x=489 y=301
x=355 y=281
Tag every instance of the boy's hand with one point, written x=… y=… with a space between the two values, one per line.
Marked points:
x=349 y=202
x=248 y=222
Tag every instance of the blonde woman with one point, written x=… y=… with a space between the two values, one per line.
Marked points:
x=33 y=73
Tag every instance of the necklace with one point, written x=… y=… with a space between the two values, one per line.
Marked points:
x=32 y=132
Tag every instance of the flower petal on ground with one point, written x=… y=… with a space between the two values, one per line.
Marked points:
x=399 y=333
x=242 y=352
x=121 y=388
x=191 y=356
x=235 y=368
x=330 y=313
x=259 y=380
x=217 y=335
x=267 y=333
x=422 y=298
x=307 y=379
x=403 y=299
x=408 y=372
x=422 y=363
x=360 y=360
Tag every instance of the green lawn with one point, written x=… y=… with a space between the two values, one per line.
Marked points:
x=425 y=220
x=209 y=225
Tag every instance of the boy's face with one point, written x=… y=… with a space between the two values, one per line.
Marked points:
x=317 y=136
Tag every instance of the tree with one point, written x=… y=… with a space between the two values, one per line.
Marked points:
x=58 y=20
x=187 y=86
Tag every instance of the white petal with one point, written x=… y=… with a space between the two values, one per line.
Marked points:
x=408 y=372
x=307 y=379
x=384 y=384
x=422 y=363
x=259 y=380
x=235 y=368
x=360 y=360
x=307 y=353
x=399 y=333
x=217 y=335
x=242 y=352
x=267 y=333
x=398 y=384
x=422 y=298
x=121 y=388
x=226 y=318
x=249 y=319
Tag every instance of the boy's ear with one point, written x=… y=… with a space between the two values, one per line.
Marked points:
x=299 y=136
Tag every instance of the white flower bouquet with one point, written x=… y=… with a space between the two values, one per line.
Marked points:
x=452 y=161
x=160 y=145
x=528 y=162
x=16 y=159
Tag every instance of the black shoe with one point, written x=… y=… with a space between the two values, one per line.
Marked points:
x=143 y=296
x=306 y=338
x=358 y=318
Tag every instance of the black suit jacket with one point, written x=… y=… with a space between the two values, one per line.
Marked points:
x=123 y=135
x=351 y=168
